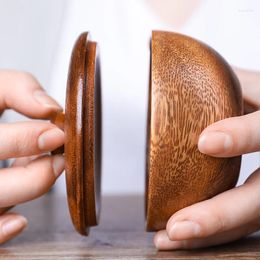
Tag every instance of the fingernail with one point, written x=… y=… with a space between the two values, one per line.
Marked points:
x=51 y=139
x=45 y=100
x=215 y=143
x=14 y=225
x=184 y=230
x=162 y=242
x=58 y=165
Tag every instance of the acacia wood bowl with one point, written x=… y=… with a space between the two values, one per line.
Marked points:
x=191 y=86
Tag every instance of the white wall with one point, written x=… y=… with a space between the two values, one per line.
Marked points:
x=29 y=33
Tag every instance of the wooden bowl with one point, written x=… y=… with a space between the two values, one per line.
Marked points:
x=82 y=126
x=191 y=87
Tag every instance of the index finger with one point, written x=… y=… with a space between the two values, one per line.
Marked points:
x=23 y=93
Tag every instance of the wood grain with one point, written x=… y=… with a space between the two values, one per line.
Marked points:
x=74 y=135
x=92 y=135
x=120 y=235
x=191 y=86
x=81 y=134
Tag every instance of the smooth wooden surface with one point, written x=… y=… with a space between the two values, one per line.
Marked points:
x=73 y=127
x=191 y=87
x=80 y=138
x=58 y=120
x=120 y=235
x=92 y=135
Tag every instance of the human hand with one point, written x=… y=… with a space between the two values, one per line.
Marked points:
x=28 y=177
x=235 y=213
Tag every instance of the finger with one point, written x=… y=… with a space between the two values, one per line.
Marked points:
x=231 y=136
x=23 y=93
x=11 y=224
x=250 y=82
x=226 y=211
x=28 y=138
x=20 y=184
x=23 y=161
x=162 y=241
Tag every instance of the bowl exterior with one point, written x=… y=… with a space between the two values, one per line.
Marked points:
x=191 y=87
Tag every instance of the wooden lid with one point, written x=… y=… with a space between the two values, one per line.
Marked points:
x=83 y=135
x=191 y=86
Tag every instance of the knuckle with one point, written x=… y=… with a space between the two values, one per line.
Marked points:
x=219 y=220
x=211 y=221
x=28 y=81
x=23 y=142
x=45 y=178
x=27 y=76
x=216 y=219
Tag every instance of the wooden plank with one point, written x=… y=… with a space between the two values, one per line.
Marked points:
x=120 y=235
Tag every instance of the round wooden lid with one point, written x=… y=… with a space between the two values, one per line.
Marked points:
x=83 y=135
x=191 y=86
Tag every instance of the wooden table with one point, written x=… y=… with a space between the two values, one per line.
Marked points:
x=120 y=235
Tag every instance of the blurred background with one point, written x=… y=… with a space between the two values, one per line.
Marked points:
x=38 y=36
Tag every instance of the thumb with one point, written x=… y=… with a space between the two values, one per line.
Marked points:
x=232 y=136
